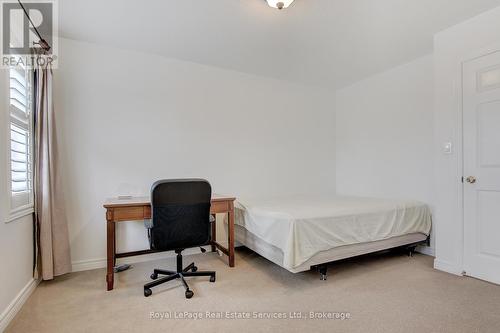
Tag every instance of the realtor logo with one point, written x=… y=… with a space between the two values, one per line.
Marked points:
x=28 y=33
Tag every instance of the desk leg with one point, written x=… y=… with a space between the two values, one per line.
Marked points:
x=110 y=275
x=114 y=248
x=214 y=233
x=231 y=235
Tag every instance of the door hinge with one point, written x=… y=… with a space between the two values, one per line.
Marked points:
x=463 y=179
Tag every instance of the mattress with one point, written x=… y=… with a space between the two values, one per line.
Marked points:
x=301 y=227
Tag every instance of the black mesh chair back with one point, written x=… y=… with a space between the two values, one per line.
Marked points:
x=180 y=214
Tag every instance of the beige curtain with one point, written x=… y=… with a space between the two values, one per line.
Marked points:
x=53 y=240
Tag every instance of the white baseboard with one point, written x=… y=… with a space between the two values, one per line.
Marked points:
x=16 y=304
x=447 y=267
x=86 y=265
x=427 y=250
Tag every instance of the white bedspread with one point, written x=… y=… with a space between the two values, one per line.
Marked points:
x=303 y=226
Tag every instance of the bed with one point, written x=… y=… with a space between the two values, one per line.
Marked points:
x=302 y=232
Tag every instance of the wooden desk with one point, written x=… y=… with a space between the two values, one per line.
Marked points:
x=139 y=209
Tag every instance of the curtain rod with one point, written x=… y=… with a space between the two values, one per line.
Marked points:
x=42 y=42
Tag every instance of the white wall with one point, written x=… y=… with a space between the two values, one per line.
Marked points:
x=384 y=131
x=16 y=237
x=127 y=119
x=452 y=47
x=384 y=134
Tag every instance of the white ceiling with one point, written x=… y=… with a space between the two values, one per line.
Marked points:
x=324 y=42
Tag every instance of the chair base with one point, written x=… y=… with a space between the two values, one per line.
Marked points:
x=181 y=273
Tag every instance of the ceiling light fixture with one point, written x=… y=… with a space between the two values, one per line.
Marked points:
x=280 y=4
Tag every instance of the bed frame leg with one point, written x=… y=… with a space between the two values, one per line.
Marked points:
x=411 y=251
x=323 y=272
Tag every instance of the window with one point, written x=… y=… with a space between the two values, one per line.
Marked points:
x=21 y=142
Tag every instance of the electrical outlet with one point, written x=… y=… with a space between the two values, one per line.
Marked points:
x=448 y=148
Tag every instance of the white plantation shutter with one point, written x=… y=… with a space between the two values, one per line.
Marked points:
x=21 y=139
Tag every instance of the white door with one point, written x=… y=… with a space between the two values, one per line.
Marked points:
x=481 y=125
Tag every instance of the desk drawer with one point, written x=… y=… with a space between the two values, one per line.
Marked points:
x=131 y=213
x=220 y=207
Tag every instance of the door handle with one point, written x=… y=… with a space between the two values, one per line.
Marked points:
x=471 y=179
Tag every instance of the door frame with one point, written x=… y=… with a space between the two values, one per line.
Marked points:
x=494 y=48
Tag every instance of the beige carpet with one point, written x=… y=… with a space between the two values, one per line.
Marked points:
x=384 y=293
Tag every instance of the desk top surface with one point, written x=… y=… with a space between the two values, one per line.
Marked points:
x=143 y=201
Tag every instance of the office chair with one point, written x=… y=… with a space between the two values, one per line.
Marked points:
x=180 y=219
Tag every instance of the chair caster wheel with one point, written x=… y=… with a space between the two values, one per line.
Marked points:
x=194 y=269
x=212 y=279
x=189 y=293
x=147 y=292
x=154 y=276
